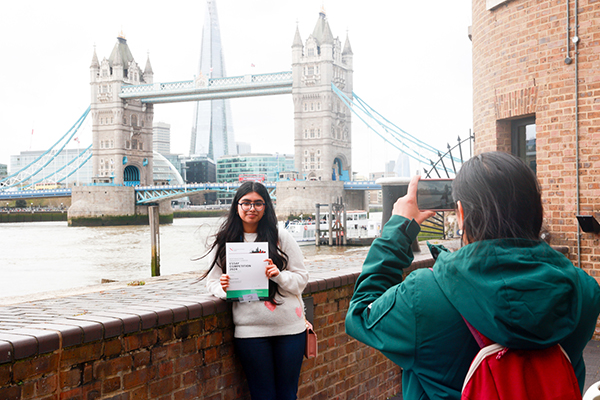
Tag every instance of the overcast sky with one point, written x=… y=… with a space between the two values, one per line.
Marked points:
x=412 y=63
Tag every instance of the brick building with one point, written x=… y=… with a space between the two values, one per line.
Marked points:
x=536 y=93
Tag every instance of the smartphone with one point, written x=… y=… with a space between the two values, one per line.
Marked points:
x=435 y=195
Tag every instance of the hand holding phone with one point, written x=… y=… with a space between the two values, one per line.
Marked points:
x=435 y=195
x=406 y=206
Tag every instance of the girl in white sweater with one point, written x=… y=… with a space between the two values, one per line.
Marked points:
x=270 y=335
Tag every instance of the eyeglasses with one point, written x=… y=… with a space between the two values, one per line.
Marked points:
x=247 y=205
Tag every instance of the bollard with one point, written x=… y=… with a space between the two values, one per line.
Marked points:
x=154 y=240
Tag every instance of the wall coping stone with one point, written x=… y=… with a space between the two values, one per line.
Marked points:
x=39 y=326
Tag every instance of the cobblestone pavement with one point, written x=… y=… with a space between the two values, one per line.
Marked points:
x=19 y=312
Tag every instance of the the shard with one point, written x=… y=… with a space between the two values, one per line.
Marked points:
x=212 y=129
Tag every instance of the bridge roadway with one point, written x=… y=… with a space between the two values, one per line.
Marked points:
x=152 y=194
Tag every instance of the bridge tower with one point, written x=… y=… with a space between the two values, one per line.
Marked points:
x=122 y=129
x=322 y=125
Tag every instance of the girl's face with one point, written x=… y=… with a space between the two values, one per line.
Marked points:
x=251 y=208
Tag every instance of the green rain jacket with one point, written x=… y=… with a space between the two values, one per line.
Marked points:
x=519 y=293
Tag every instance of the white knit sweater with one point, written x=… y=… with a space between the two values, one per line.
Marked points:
x=261 y=318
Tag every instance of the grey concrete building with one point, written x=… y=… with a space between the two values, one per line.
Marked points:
x=161 y=138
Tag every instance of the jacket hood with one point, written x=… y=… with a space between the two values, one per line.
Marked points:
x=519 y=293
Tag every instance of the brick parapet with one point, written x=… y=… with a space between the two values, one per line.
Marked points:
x=176 y=346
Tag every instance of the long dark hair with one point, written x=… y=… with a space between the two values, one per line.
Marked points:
x=232 y=230
x=501 y=198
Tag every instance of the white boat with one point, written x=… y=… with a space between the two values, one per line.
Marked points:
x=302 y=231
x=360 y=228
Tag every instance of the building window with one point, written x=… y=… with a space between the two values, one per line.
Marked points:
x=311 y=51
x=523 y=140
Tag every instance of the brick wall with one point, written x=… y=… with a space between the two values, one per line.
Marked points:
x=519 y=70
x=184 y=353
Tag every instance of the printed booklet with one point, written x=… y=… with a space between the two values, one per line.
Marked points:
x=246 y=267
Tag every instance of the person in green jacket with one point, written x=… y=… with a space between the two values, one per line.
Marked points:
x=510 y=285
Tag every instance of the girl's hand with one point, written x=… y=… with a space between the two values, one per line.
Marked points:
x=406 y=206
x=224 y=279
x=271 y=271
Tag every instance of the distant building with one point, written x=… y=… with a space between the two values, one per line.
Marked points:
x=373 y=176
x=161 y=138
x=390 y=166
x=178 y=161
x=243 y=148
x=212 y=130
x=52 y=172
x=200 y=170
x=265 y=166
x=375 y=197
x=402 y=168
x=164 y=171
x=3 y=170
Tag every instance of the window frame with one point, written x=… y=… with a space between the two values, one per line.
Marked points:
x=517 y=128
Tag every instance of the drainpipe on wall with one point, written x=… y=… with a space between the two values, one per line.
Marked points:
x=569 y=60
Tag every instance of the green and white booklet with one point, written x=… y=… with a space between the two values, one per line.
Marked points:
x=246 y=267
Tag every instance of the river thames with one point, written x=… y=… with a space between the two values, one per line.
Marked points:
x=46 y=256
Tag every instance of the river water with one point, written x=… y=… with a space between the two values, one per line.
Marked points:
x=45 y=256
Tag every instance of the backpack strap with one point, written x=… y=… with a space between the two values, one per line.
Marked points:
x=481 y=340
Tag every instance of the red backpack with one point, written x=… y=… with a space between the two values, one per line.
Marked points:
x=500 y=373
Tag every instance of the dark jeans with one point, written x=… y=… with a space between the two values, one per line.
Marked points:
x=272 y=365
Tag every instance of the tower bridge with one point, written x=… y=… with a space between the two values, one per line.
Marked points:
x=123 y=96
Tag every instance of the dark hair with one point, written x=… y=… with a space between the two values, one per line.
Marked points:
x=232 y=230
x=500 y=196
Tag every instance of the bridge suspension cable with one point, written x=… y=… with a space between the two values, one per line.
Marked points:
x=394 y=135
x=25 y=176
